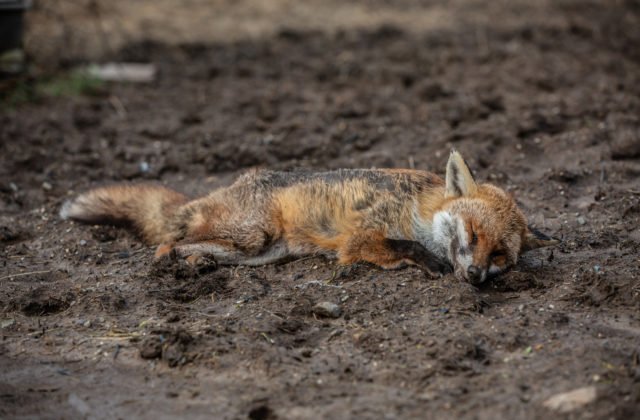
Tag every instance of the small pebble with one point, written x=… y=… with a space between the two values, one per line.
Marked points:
x=572 y=400
x=582 y=221
x=327 y=309
x=83 y=242
x=6 y=323
x=87 y=323
x=174 y=317
x=46 y=186
x=144 y=167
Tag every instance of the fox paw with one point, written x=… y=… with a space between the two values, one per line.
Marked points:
x=203 y=263
x=164 y=250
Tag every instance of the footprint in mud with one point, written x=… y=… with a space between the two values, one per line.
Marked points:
x=42 y=301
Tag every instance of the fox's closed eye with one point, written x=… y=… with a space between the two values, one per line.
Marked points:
x=498 y=258
x=474 y=238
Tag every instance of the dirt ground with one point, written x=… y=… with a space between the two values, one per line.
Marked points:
x=542 y=98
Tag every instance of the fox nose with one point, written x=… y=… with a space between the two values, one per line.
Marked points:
x=474 y=273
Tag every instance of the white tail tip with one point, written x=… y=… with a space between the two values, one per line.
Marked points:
x=66 y=211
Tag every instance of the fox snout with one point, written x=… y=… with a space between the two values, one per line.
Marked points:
x=474 y=274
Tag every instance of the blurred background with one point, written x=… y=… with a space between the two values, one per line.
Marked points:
x=59 y=31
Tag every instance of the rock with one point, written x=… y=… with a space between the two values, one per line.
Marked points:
x=173 y=317
x=6 y=323
x=79 y=404
x=572 y=400
x=431 y=91
x=327 y=309
x=626 y=143
x=581 y=220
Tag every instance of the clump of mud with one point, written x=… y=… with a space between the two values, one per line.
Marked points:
x=179 y=281
x=172 y=346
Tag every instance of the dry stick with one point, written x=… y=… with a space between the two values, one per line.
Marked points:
x=10 y=276
x=118 y=106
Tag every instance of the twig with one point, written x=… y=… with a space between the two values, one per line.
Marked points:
x=316 y=282
x=118 y=106
x=122 y=337
x=10 y=276
x=117 y=351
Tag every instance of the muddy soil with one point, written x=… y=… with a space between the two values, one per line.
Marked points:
x=548 y=109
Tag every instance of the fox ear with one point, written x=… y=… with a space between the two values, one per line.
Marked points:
x=534 y=239
x=459 y=179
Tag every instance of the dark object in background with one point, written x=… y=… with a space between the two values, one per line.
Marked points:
x=12 y=59
x=11 y=23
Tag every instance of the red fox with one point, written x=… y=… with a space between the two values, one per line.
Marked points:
x=388 y=217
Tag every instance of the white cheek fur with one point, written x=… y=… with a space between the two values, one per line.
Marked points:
x=494 y=269
x=445 y=227
x=443 y=230
x=465 y=260
x=463 y=238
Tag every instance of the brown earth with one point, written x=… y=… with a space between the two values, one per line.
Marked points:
x=547 y=108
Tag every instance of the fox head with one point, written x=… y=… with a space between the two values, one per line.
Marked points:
x=481 y=227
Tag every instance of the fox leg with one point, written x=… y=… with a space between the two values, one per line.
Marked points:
x=226 y=253
x=163 y=250
x=417 y=254
x=388 y=253
x=222 y=251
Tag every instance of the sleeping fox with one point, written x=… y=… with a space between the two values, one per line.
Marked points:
x=388 y=217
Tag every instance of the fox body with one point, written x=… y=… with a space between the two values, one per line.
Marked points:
x=388 y=217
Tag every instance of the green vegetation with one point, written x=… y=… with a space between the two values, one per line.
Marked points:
x=14 y=93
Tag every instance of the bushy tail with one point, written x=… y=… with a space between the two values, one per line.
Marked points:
x=147 y=208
